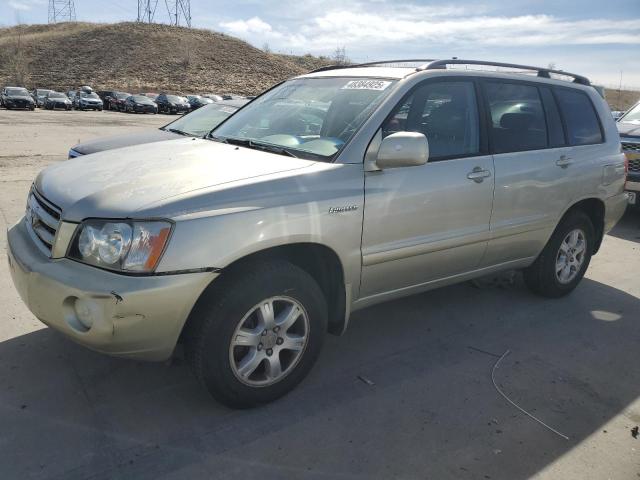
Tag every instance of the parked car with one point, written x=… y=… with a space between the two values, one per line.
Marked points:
x=196 y=101
x=152 y=96
x=16 y=97
x=195 y=124
x=251 y=244
x=629 y=128
x=172 y=104
x=106 y=96
x=38 y=96
x=117 y=101
x=55 y=100
x=84 y=100
x=140 y=104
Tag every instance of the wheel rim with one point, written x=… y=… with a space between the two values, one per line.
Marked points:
x=269 y=341
x=571 y=256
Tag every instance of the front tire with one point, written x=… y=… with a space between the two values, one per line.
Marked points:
x=565 y=258
x=255 y=335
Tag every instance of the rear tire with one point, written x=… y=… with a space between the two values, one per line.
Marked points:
x=242 y=376
x=565 y=259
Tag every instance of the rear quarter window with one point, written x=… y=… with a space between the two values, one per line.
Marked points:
x=581 y=120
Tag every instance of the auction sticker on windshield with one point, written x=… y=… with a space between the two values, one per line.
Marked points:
x=366 y=85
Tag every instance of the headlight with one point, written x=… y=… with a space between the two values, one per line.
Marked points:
x=130 y=246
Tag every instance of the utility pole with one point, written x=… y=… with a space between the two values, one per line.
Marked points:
x=62 y=11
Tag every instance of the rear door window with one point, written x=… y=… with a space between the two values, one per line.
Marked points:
x=517 y=117
x=583 y=127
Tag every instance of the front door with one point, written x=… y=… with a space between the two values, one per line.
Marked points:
x=432 y=221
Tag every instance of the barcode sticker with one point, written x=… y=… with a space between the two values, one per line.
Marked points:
x=366 y=85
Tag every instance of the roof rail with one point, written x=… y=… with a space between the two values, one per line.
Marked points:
x=542 y=72
x=370 y=64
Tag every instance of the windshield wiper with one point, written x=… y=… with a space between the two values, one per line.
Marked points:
x=247 y=143
x=179 y=132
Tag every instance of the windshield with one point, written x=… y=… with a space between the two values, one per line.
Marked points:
x=56 y=95
x=17 y=91
x=122 y=95
x=175 y=99
x=200 y=122
x=633 y=115
x=88 y=95
x=40 y=91
x=140 y=99
x=314 y=117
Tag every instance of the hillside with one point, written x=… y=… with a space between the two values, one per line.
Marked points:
x=140 y=57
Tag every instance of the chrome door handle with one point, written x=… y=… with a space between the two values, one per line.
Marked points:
x=564 y=161
x=478 y=174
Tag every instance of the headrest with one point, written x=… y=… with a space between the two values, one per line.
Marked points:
x=516 y=121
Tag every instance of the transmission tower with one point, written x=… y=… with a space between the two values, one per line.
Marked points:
x=178 y=11
x=62 y=11
x=147 y=10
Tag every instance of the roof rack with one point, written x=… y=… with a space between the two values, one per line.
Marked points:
x=430 y=64
x=542 y=72
x=371 y=64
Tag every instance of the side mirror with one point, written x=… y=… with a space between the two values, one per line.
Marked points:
x=403 y=149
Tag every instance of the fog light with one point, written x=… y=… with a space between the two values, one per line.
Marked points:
x=86 y=312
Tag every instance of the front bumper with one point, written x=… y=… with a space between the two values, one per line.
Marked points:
x=137 y=317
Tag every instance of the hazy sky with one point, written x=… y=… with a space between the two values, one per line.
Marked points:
x=598 y=38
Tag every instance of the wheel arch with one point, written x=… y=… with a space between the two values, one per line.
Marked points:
x=318 y=260
x=594 y=208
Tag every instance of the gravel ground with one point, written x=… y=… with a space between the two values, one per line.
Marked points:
x=406 y=393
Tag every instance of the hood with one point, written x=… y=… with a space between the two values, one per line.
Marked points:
x=120 y=183
x=629 y=129
x=128 y=140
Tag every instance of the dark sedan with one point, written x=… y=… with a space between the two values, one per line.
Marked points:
x=140 y=104
x=39 y=95
x=196 y=124
x=55 y=100
x=172 y=104
x=17 y=97
x=196 y=101
x=117 y=100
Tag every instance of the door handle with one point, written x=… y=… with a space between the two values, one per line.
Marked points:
x=564 y=161
x=478 y=174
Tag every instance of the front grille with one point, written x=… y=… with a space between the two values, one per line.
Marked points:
x=633 y=155
x=42 y=218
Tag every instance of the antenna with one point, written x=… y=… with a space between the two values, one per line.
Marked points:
x=62 y=11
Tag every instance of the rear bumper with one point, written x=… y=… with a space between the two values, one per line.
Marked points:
x=133 y=316
x=614 y=208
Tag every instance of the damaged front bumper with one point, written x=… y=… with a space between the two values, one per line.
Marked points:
x=137 y=317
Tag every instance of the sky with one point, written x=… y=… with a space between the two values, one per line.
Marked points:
x=596 y=38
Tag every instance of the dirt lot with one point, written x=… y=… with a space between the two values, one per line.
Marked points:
x=430 y=412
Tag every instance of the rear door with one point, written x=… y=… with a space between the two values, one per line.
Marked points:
x=429 y=222
x=533 y=168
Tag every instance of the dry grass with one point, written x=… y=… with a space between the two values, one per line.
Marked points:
x=141 y=57
x=621 y=99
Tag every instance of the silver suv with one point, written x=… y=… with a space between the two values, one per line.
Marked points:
x=331 y=192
